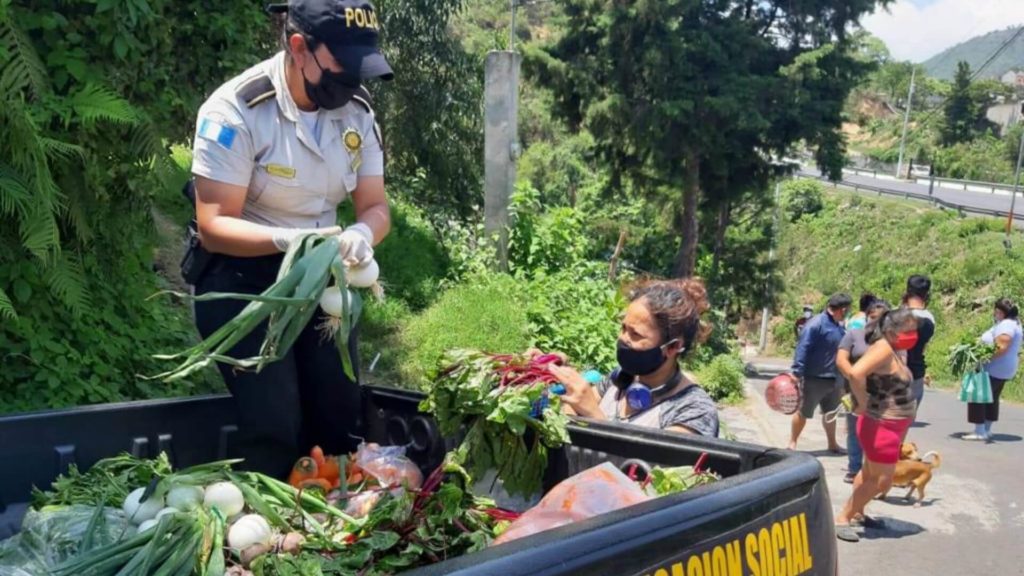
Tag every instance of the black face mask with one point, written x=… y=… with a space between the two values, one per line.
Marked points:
x=334 y=90
x=640 y=362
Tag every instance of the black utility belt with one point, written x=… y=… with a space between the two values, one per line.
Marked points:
x=199 y=263
x=197 y=260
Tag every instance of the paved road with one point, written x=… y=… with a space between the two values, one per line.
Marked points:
x=972 y=521
x=983 y=200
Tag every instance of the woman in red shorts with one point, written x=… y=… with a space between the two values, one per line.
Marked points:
x=885 y=405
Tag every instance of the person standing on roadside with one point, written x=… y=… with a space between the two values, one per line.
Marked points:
x=1006 y=336
x=916 y=299
x=814 y=364
x=798 y=326
x=853 y=346
x=860 y=319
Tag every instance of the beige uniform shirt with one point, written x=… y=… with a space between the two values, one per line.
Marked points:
x=249 y=133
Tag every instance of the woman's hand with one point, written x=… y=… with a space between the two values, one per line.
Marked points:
x=860 y=403
x=579 y=394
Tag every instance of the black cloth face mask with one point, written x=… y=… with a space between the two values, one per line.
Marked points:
x=640 y=362
x=334 y=90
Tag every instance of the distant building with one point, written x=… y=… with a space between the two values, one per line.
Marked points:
x=1004 y=115
x=1013 y=78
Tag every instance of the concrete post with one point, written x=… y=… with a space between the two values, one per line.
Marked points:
x=501 y=147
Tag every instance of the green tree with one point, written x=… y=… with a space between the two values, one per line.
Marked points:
x=673 y=89
x=431 y=114
x=965 y=109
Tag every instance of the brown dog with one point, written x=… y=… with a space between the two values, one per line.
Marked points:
x=913 y=472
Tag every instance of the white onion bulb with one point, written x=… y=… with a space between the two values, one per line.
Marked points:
x=364 y=276
x=138 y=512
x=226 y=497
x=330 y=300
x=249 y=530
x=185 y=498
x=152 y=522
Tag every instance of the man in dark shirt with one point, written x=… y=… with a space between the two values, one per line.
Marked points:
x=814 y=364
x=916 y=298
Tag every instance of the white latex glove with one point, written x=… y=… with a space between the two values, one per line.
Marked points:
x=355 y=245
x=283 y=237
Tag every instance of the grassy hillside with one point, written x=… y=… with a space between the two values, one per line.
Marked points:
x=857 y=244
x=975 y=52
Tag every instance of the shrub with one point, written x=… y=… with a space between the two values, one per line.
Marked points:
x=722 y=378
x=802 y=197
x=485 y=313
x=576 y=312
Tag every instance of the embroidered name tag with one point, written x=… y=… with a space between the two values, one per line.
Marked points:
x=281 y=171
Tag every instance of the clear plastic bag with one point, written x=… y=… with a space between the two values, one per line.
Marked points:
x=389 y=465
x=360 y=505
x=54 y=534
x=594 y=491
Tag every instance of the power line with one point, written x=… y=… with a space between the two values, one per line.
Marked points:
x=999 y=51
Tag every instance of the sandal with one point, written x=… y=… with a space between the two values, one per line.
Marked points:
x=846 y=533
x=868 y=522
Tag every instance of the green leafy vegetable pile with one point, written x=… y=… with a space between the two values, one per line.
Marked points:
x=511 y=419
x=107 y=481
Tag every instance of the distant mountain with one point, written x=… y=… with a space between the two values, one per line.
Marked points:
x=976 y=51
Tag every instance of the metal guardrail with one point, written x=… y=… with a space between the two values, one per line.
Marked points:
x=949 y=183
x=960 y=208
x=969 y=185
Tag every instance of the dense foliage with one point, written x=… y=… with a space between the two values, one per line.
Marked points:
x=748 y=80
x=91 y=95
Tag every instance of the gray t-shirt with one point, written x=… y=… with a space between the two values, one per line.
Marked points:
x=692 y=407
x=854 y=342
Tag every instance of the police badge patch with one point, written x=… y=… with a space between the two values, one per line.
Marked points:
x=354 y=144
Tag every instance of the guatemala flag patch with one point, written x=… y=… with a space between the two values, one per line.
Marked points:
x=217 y=132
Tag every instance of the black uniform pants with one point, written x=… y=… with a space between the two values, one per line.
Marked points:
x=303 y=400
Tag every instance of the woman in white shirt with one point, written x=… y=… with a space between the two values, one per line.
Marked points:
x=1006 y=334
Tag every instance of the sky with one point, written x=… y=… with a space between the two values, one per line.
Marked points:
x=919 y=29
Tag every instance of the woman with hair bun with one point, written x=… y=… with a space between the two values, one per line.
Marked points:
x=1006 y=335
x=662 y=323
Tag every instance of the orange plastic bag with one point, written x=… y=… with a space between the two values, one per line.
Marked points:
x=590 y=493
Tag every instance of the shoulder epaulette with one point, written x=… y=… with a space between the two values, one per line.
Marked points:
x=256 y=90
x=363 y=98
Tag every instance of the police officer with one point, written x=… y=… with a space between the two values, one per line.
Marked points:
x=277 y=149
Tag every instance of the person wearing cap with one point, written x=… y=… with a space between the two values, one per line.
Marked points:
x=277 y=149
x=798 y=326
x=814 y=364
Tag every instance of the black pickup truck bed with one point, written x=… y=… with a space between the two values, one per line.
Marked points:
x=769 y=516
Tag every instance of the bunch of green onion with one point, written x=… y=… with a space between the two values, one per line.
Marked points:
x=177 y=545
x=287 y=307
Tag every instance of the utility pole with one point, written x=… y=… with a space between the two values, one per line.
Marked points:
x=906 y=121
x=1016 y=185
x=763 y=341
x=512 y=28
